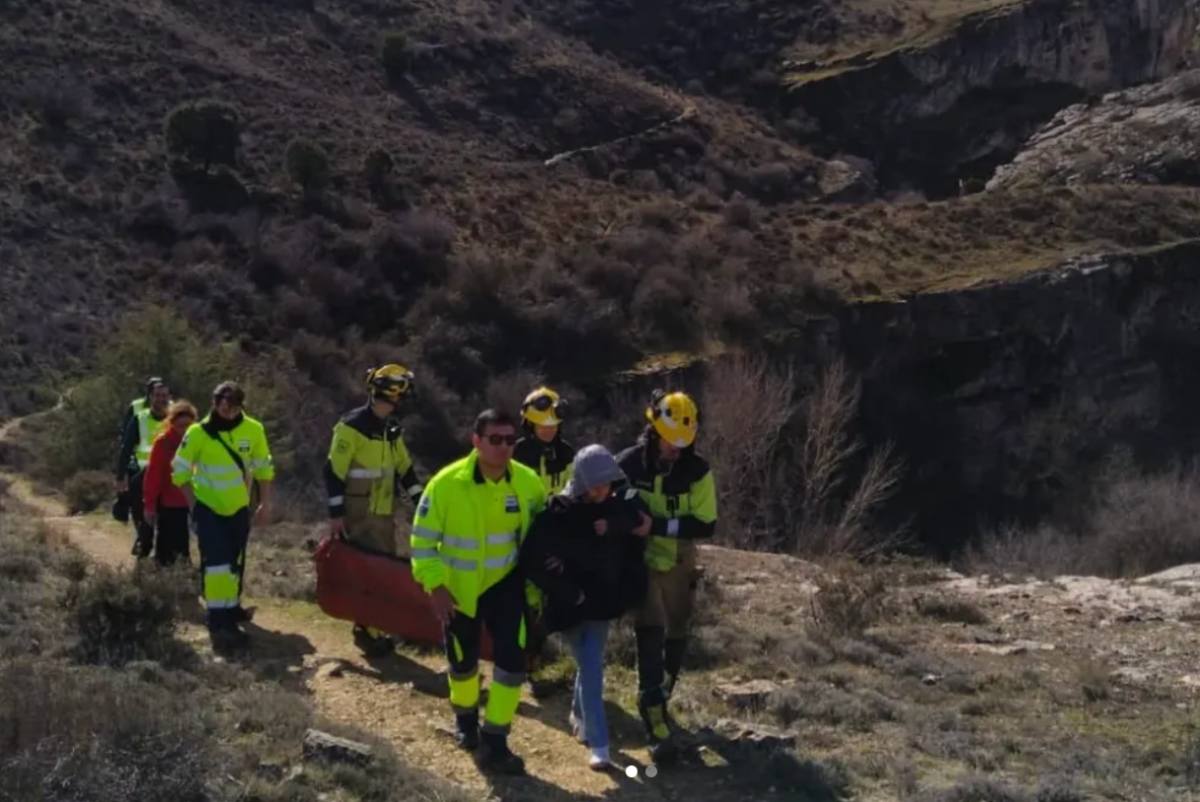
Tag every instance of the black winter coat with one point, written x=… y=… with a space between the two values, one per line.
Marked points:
x=608 y=568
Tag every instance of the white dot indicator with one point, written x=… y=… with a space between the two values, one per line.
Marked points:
x=652 y=771
x=631 y=772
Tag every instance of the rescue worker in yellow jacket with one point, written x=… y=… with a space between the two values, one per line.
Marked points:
x=368 y=466
x=217 y=465
x=678 y=487
x=542 y=446
x=141 y=426
x=465 y=539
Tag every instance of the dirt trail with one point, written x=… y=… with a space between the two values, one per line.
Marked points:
x=400 y=698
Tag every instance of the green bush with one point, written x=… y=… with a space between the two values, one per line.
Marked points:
x=87 y=490
x=204 y=132
x=396 y=55
x=153 y=341
x=307 y=164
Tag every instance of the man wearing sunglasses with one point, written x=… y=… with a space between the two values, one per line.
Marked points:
x=218 y=462
x=466 y=535
x=368 y=466
x=678 y=487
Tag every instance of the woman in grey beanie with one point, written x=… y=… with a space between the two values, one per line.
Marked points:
x=585 y=551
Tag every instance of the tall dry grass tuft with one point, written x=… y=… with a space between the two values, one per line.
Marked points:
x=793 y=475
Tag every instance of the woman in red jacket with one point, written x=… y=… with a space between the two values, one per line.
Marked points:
x=166 y=506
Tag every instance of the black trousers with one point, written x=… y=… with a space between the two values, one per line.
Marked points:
x=143 y=532
x=173 y=538
x=502 y=608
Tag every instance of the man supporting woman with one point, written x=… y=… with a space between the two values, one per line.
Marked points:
x=585 y=551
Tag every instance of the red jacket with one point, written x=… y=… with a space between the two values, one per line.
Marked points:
x=157 y=489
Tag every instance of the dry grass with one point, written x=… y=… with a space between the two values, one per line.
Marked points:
x=1128 y=525
x=168 y=726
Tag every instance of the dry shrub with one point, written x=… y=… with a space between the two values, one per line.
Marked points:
x=744 y=415
x=849 y=600
x=121 y=616
x=812 y=701
x=805 y=482
x=100 y=735
x=976 y=789
x=1131 y=525
x=506 y=391
x=944 y=608
x=831 y=518
x=87 y=490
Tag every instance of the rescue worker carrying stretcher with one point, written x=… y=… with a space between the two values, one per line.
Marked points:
x=368 y=465
x=678 y=487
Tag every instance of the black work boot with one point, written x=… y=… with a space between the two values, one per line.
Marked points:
x=495 y=756
x=663 y=747
x=372 y=645
x=228 y=639
x=466 y=731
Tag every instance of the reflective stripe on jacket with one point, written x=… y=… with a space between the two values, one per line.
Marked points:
x=450 y=544
x=367 y=460
x=682 y=499
x=215 y=478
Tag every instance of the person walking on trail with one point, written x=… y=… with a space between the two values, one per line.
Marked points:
x=368 y=466
x=217 y=464
x=134 y=456
x=678 y=487
x=585 y=551
x=542 y=446
x=138 y=404
x=465 y=539
x=166 y=507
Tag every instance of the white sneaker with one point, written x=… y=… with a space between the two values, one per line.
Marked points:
x=599 y=760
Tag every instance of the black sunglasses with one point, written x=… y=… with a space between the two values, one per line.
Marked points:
x=232 y=399
x=542 y=403
x=502 y=439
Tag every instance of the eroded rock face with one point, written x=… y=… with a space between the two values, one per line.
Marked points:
x=1000 y=398
x=1147 y=135
x=933 y=113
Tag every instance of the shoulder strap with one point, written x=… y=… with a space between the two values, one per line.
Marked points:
x=211 y=431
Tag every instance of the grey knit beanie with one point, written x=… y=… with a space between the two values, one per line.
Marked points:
x=594 y=465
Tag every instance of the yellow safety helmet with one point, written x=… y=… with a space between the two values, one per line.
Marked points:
x=543 y=407
x=675 y=417
x=390 y=382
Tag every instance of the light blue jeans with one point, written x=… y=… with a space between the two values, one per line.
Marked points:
x=586 y=641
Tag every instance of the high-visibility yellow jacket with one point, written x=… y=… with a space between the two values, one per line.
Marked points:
x=682 y=501
x=367 y=461
x=214 y=475
x=148 y=426
x=451 y=546
x=551 y=461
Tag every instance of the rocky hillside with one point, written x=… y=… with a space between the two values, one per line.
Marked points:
x=1146 y=135
x=580 y=188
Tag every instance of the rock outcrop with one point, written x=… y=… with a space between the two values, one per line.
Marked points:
x=1148 y=135
x=1002 y=397
x=933 y=112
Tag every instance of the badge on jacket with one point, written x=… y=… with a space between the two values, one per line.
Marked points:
x=511 y=504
